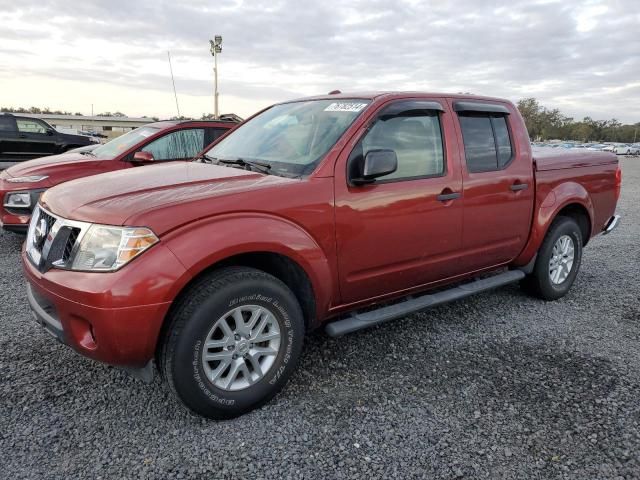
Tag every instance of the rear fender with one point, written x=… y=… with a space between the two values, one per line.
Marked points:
x=200 y=245
x=548 y=207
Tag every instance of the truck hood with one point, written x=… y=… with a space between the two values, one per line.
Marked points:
x=51 y=165
x=115 y=197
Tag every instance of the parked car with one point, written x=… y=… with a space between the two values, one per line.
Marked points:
x=23 y=137
x=341 y=211
x=23 y=183
x=625 y=149
x=598 y=146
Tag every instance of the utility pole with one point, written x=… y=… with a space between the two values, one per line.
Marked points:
x=216 y=49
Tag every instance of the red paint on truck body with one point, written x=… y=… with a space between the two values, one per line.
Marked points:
x=357 y=245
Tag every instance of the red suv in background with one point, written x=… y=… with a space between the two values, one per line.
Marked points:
x=21 y=185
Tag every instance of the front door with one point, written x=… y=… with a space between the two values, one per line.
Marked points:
x=37 y=138
x=402 y=230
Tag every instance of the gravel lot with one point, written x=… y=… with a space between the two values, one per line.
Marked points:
x=496 y=386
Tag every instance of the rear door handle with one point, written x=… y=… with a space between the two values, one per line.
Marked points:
x=519 y=186
x=445 y=197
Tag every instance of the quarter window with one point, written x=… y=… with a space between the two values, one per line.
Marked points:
x=416 y=139
x=179 y=145
x=487 y=144
x=7 y=124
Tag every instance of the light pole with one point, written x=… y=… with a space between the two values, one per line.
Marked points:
x=216 y=49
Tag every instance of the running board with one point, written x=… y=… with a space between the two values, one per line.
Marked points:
x=358 y=321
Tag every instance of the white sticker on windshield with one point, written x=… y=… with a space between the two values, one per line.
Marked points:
x=145 y=134
x=345 y=107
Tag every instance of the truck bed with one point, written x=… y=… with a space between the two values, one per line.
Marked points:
x=547 y=158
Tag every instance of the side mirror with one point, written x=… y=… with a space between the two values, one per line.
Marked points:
x=377 y=163
x=143 y=157
x=50 y=131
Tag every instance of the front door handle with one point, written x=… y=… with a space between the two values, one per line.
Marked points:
x=519 y=186
x=445 y=197
x=22 y=135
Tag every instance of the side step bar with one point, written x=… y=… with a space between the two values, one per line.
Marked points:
x=358 y=321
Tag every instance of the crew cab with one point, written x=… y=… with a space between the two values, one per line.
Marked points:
x=339 y=211
x=23 y=183
x=23 y=137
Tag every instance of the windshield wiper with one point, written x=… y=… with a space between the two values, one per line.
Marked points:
x=260 y=166
x=85 y=152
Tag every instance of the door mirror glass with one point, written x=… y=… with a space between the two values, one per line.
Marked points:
x=377 y=163
x=143 y=157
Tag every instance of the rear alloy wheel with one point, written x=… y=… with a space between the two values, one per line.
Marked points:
x=561 y=262
x=558 y=261
x=232 y=342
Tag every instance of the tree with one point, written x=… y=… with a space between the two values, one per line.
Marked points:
x=545 y=124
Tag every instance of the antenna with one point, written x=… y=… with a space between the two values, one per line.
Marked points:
x=174 y=83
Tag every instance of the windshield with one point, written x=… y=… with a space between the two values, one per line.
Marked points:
x=118 y=145
x=292 y=137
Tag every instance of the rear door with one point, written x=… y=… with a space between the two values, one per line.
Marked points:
x=404 y=230
x=498 y=181
x=37 y=138
x=9 y=145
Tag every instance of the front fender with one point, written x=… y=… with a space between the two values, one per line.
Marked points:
x=548 y=205
x=202 y=244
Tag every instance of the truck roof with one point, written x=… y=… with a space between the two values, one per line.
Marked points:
x=375 y=95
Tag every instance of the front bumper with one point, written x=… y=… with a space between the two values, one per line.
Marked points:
x=113 y=318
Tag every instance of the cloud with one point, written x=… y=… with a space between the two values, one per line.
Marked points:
x=580 y=56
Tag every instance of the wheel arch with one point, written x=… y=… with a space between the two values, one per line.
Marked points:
x=270 y=244
x=568 y=199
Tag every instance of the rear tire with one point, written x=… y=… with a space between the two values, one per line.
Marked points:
x=558 y=261
x=232 y=342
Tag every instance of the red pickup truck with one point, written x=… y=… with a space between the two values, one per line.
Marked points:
x=342 y=211
x=22 y=184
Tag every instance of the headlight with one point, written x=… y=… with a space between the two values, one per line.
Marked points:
x=105 y=248
x=18 y=200
x=27 y=179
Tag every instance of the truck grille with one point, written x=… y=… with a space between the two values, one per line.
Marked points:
x=52 y=240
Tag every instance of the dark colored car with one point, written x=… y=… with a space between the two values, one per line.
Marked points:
x=22 y=184
x=340 y=211
x=23 y=137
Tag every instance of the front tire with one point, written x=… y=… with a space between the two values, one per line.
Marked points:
x=558 y=261
x=232 y=343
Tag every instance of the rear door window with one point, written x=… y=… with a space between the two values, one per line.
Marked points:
x=211 y=134
x=7 y=124
x=487 y=143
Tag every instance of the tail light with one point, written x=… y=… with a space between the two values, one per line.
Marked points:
x=618 y=182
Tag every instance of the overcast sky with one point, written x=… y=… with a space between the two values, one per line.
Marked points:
x=580 y=56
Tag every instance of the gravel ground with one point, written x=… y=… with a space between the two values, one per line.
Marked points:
x=496 y=386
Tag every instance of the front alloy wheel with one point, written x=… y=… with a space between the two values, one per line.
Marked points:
x=241 y=347
x=232 y=342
